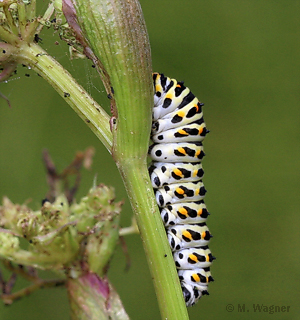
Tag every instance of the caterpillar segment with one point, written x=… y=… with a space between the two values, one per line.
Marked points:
x=177 y=192
x=199 y=257
x=177 y=152
x=179 y=117
x=184 y=213
x=188 y=236
x=162 y=174
x=195 y=132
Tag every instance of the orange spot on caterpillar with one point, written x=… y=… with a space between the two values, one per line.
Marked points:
x=193 y=257
x=183 y=132
x=180 y=191
x=196 y=277
x=181 y=150
x=199 y=213
x=183 y=212
x=186 y=234
x=178 y=172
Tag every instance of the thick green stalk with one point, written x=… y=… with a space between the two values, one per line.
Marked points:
x=117 y=35
x=161 y=263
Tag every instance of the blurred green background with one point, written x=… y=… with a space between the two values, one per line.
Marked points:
x=241 y=58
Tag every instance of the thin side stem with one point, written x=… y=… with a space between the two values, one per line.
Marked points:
x=60 y=79
x=22 y=18
x=10 y=298
x=8 y=36
x=31 y=10
x=10 y=20
x=46 y=17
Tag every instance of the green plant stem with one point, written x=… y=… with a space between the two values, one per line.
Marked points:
x=8 y=36
x=46 y=17
x=60 y=79
x=10 y=20
x=117 y=35
x=22 y=18
x=31 y=9
x=157 y=249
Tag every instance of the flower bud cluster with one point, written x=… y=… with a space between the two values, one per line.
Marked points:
x=61 y=236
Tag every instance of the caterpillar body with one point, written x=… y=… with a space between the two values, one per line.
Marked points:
x=176 y=173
